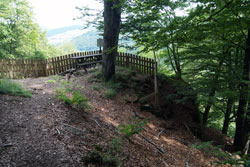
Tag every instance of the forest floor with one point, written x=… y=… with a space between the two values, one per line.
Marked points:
x=41 y=131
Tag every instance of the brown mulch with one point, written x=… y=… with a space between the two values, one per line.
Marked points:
x=34 y=132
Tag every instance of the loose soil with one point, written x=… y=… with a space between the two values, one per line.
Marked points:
x=36 y=132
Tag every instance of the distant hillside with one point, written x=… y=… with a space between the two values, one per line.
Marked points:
x=86 y=41
x=62 y=30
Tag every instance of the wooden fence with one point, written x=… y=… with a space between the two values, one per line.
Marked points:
x=28 y=68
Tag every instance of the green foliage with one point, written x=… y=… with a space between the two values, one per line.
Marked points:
x=51 y=81
x=96 y=87
x=102 y=158
x=134 y=127
x=77 y=98
x=212 y=150
x=60 y=94
x=109 y=157
x=12 y=88
x=20 y=36
x=112 y=87
x=242 y=161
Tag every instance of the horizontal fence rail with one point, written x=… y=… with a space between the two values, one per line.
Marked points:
x=28 y=68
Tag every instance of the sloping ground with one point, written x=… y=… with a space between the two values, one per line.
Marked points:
x=41 y=131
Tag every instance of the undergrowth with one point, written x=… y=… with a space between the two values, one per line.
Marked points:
x=76 y=99
x=224 y=157
x=109 y=157
x=12 y=88
x=114 y=85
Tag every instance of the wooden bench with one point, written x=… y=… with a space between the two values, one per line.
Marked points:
x=87 y=61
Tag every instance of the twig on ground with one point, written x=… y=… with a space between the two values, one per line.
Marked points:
x=191 y=148
x=188 y=129
x=188 y=158
x=75 y=130
x=6 y=145
x=137 y=115
x=97 y=122
x=58 y=131
x=165 y=163
x=146 y=97
x=149 y=141
x=159 y=134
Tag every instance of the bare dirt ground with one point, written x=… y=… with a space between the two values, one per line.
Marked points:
x=37 y=131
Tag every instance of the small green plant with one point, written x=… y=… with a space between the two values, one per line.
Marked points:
x=112 y=88
x=212 y=150
x=96 y=87
x=56 y=77
x=243 y=161
x=51 y=81
x=134 y=127
x=110 y=93
x=12 y=88
x=109 y=157
x=64 y=83
x=102 y=158
x=77 y=99
x=60 y=94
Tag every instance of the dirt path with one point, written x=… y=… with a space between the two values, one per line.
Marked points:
x=34 y=132
x=29 y=126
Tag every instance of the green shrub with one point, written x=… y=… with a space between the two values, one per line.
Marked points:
x=112 y=88
x=102 y=158
x=51 y=81
x=110 y=93
x=60 y=93
x=96 y=87
x=12 y=88
x=77 y=99
x=134 y=127
x=109 y=157
x=243 y=161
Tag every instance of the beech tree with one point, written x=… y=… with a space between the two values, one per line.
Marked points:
x=112 y=19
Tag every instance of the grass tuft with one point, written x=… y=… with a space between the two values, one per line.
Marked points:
x=12 y=88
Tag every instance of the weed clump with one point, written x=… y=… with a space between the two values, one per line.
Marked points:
x=12 y=88
x=110 y=157
x=76 y=99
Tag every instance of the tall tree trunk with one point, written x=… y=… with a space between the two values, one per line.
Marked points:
x=112 y=19
x=239 y=132
x=209 y=105
x=227 y=115
x=211 y=94
x=246 y=133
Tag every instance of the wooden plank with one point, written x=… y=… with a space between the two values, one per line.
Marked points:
x=5 y=69
x=1 y=69
x=17 y=68
x=10 y=69
x=60 y=64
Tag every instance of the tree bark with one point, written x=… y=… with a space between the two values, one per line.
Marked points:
x=112 y=19
x=211 y=94
x=246 y=133
x=227 y=115
x=208 y=107
x=239 y=132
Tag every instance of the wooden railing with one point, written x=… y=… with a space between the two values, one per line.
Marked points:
x=27 y=68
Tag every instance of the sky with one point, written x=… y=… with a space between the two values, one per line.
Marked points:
x=51 y=14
